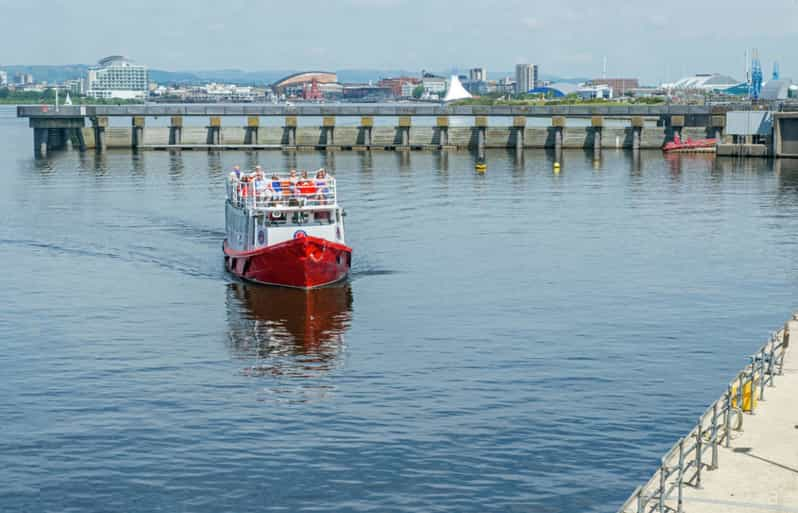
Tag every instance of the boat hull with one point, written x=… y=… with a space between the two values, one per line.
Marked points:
x=305 y=263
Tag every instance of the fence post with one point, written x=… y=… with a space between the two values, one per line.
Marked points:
x=762 y=374
x=771 y=361
x=662 y=470
x=714 y=436
x=640 y=502
x=727 y=420
x=699 y=440
x=740 y=396
x=680 y=483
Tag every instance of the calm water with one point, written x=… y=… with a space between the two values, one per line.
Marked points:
x=519 y=341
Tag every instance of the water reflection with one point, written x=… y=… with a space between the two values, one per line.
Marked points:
x=288 y=332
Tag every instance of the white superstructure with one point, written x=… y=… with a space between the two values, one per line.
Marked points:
x=117 y=77
x=263 y=211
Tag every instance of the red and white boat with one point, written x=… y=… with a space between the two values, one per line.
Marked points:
x=690 y=145
x=285 y=231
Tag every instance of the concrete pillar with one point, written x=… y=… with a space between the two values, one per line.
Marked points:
x=67 y=136
x=328 y=125
x=717 y=124
x=176 y=131
x=290 y=129
x=251 y=131
x=80 y=139
x=637 y=132
x=519 y=126
x=100 y=123
x=597 y=123
x=137 y=135
x=404 y=131
x=443 y=129
x=558 y=124
x=677 y=122
x=366 y=124
x=40 y=139
x=481 y=124
x=214 y=137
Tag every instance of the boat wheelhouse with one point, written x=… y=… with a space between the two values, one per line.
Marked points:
x=285 y=230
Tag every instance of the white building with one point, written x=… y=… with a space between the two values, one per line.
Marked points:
x=590 y=92
x=3 y=78
x=526 y=77
x=433 y=85
x=117 y=77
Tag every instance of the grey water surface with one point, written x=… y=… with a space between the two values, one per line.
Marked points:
x=517 y=341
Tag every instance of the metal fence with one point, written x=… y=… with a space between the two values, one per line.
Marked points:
x=683 y=464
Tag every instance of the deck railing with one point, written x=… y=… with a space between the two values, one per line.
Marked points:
x=683 y=464
x=260 y=195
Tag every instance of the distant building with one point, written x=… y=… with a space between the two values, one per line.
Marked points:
x=397 y=85
x=407 y=89
x=433 y=84
x=776 y=89
x=366 y=93
x=477 y=75
x=620 y=86
x=526 y=77
x=22 y=78
x=117 y=77
x=76 y=87
x=506 y=86
x=557 y=90
x=589 y=92
x=294 y=85
x=3 y=78
x=703 y=82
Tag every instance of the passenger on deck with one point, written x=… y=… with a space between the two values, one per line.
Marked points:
x=306 y=187
x=322 y=186
x=261 y=186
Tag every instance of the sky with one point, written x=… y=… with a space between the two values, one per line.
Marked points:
x=654 y=41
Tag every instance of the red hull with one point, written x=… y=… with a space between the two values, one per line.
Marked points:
x=306 y=263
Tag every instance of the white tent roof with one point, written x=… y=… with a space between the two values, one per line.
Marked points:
x=456 y=90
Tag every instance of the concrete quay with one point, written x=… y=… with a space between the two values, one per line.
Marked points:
x=759 y=472
x=743 y=453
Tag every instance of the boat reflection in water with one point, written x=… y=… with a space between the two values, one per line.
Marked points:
x=288 y=332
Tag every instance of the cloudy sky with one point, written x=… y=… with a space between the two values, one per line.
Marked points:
x=655 y=41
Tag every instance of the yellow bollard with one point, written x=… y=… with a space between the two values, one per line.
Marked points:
x=748 y=397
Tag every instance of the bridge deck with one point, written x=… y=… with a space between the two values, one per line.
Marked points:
x=398 y=109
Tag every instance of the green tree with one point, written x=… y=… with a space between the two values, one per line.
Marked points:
x=418 y=91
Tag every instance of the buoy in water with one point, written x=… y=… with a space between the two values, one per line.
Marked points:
x=481 y=167
x=556 y=167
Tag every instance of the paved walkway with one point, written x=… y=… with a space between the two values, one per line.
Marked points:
x=759 y=473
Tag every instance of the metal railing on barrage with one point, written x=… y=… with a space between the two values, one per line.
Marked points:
x=266 y=195
x=683 y=464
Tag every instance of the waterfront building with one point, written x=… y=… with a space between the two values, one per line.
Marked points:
x=366 y=93
x=397 y=85
x=590 y=92
x=620 y=86
x=477 y=75
x=3 y=78
x=407 y=89
x=117 y=77
x=433 y=84
x=526 y=77
x=506 y=86
x=295 y=84
x=704 y=82
x=22 y=78
x=75 y=86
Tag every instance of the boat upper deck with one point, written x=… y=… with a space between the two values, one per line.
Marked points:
x=273 y=192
